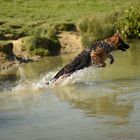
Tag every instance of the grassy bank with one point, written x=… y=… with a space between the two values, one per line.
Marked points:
x=23 y=17
x=126 y=21
x=20 y=18
x=55 y=11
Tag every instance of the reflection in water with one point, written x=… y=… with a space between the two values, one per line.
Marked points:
x=97 y=101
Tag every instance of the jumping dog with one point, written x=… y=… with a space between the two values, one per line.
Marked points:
x=96 y=54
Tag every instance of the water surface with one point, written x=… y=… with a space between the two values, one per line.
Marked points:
x=91 y=104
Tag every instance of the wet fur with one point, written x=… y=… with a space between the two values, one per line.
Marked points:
x=96 y=54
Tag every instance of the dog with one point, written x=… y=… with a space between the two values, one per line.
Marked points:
x=96 y=55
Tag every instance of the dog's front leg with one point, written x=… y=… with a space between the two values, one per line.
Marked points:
x=111 y=58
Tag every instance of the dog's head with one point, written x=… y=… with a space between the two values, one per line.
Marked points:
x=118 y=43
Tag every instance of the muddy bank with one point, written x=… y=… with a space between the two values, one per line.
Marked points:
x=8 y=56
x=70 y=41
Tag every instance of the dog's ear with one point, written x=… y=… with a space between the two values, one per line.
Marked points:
x=117 y=33
x=115 y=38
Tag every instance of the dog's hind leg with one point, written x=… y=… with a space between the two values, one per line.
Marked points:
x=61 y=72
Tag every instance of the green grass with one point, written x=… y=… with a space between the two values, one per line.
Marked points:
x=92 y=29
x=19 y=18
x=51 y=12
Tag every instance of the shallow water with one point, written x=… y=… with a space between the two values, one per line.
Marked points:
x=91 y=104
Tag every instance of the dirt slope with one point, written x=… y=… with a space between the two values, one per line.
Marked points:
x=70 y=42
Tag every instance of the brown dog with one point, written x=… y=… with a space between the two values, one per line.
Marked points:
x=102 y=52
x=96 y=54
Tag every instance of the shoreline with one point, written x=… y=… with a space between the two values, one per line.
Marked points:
x=70 y=41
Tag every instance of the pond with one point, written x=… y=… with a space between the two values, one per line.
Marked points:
x=91 y=104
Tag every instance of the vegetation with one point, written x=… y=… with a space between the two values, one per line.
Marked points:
x=21 y=18
x=129 y=22
x=92 y=30
x=42 y=19
x=43 y=44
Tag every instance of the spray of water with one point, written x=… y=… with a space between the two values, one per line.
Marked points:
x=23 y=82
x=4 y=86
x=22 y=77
x=85 y=76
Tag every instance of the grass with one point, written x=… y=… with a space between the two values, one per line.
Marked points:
x=42 y=43
x=93 y=28
x=20 y=18
x=51 y=12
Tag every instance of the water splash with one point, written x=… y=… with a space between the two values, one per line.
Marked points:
x=37 y=84
x=85 y=76
x=22 y=76
x=4 y=86
x=42 y=82
x=23 y=82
